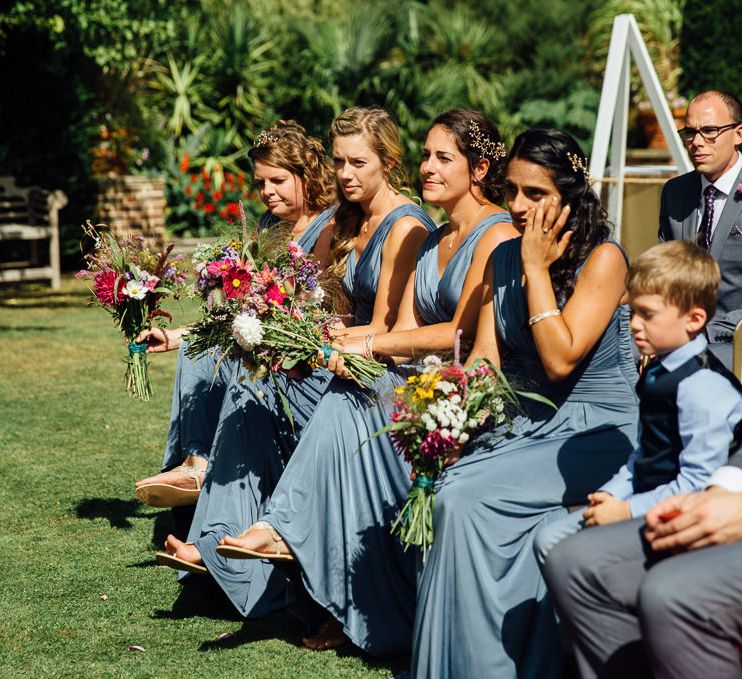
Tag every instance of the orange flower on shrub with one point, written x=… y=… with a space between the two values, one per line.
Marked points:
x=185 y=163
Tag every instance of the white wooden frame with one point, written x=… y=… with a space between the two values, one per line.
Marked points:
x=612 y=123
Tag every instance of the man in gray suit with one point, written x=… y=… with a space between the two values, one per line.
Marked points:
x=662 y=599
x=706 y=205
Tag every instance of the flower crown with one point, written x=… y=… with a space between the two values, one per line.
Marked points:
x=265 y=139
x=580 y=165
x=483 y=143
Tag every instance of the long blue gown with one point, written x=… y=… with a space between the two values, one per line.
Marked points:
x=334 y=506
x=201 y=382
x=254 y=441
x=481 y=607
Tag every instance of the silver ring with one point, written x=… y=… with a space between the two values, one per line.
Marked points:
x=545 y=230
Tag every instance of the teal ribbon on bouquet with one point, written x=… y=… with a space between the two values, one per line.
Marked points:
x=424 y=482
x=137 y=347
x=326 y=350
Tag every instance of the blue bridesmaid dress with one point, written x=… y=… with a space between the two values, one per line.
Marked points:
x=335 y=504
x=254 y=441
x=201 y=382
x=481 y=607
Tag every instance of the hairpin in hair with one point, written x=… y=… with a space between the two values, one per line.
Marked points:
x=484 y=144
x=264 y=139
x=580 y=165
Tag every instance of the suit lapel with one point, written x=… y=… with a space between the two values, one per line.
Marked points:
x=692 y=198
x=729 y=216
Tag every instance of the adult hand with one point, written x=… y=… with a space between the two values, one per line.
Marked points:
x=543 y=240
x=605 y=509
x=159 y=339
x=348 y=345
x=335 y=364
x=712 y=517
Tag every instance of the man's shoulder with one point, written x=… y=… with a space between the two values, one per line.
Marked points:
x=683 y=181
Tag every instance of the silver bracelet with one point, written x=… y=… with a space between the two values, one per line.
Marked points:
x=544 y=314
x=368 y=347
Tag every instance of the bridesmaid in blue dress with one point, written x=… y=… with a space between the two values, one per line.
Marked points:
x=334 y=504
x=253 y=439
x=554 y=316
x=296 y=184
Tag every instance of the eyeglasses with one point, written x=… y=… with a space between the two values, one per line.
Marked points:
x=708 y=133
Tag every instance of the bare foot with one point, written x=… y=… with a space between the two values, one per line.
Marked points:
x=258 y=539
x=183 y=550
x=176 y=477
x=329 y=635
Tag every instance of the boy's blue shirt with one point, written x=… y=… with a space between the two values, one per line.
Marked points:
x=709 y=408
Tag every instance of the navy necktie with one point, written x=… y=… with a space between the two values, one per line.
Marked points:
x=704 y=231
x=652 y=372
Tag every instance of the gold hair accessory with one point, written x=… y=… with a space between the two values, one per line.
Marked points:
x=264 y=139
x=580 y=165
x=482 y=142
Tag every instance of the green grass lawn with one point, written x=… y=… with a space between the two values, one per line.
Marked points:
x=71 y=533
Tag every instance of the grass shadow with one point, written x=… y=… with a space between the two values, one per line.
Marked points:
x=278 y=625
x=119 y=513
x=200 y=597
x=7 y=329
x=32 y=297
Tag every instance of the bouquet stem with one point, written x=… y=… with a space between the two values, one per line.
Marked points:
x=137 y=375
x=414 y=523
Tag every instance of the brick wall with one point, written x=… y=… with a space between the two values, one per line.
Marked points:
x=133 y=204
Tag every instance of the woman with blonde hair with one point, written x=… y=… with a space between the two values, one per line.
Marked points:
x=373 y=248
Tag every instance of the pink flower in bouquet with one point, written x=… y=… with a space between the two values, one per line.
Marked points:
x=434 y=445
x=108 y=287
x=236 y=282
x=151 y=283
x=274 y=295
x=295 y=250
x=266 y=276
x=219 y=268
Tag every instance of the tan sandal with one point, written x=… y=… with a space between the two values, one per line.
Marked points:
x=329 y=636
x=234 y=552
x=172 y=561
x=167 y=495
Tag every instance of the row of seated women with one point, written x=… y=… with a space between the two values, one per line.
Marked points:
x=305 y=500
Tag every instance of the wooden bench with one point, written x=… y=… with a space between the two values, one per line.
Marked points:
x=32 y=215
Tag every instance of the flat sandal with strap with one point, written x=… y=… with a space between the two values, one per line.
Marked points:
x=167 y=495
x=234 y=552
x=172 y=561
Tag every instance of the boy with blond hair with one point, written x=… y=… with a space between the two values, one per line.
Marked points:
x=690 y=405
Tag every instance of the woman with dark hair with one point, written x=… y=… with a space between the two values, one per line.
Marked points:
x=254 y=440
x=554 y=317
x=333 y=508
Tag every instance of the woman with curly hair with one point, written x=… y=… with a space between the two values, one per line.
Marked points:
x=554 y=317
x=294 y=178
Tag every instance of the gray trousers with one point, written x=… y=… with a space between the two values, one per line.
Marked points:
x=631 y=614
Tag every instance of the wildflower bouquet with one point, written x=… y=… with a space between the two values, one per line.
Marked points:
x=435 y=413
x=263 y=303
x=129 y=282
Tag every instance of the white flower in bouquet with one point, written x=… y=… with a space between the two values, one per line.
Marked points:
x=445 y=387
x=463 y=437
x=429 y=422
x=135 y=290
x=319 y=294
x=432 y=363
x=247 y=330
